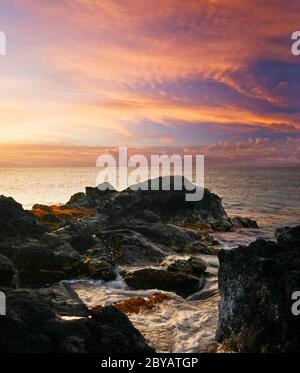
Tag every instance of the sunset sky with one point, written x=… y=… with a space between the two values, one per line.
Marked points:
x=215 y=77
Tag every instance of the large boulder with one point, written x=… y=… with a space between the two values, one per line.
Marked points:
x=110 y=331
x=256 y=286
x=156 y=278
x=169 y=205
x=15 y=221
x=54 y=320
x=288 y=236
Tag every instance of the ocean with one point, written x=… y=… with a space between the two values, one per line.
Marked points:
x=269 y=195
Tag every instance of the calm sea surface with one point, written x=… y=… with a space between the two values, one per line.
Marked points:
x=269 y=195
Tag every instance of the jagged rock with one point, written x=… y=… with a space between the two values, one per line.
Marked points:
x=199 y=247
x=193 y=265
x=99 y=269
x=42 y=262
x=38 y=206
x=168 y=235
x=78 y=201
x=155 y=278
x=83 y=242
x=240 y=222
x=288 y=236
x=15 y=221
x=131 y=247
x=34 y=324
x=103 y=252
x=39 y=265
x=112 y=332
x=8 y=273
x=167 y=205
x=256 y=285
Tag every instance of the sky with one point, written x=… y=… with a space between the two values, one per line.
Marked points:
x=209 y=76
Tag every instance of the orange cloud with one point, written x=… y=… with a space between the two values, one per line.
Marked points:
x=87 y=73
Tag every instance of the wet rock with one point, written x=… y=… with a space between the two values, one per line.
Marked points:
x=38 y=265
x=240 y=222
x=201 y=248
x=288 y=236
x=154 y=278
x=193 y=265
x=8 y=273
x=164 y=234
x=45 y=261
x=83 y=242
x=103 y=252
x=112 y=332
x=98 y=269
x=34 y=324
x=131 y=247
x=256 y=285
x=198 y=247
x=15 y=221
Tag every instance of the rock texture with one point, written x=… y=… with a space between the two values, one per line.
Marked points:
x=36 y=323
x=155 y=278
x=193 y=265
x=8 y=273
x=256 y=285
x=15 y=221
x=288 y=236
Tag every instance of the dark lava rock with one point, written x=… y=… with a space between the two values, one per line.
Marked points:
x=154 y=278
x=288 y=236
x=167 y=205
x=34 y=324
x=8 y=273
x=78 y=201
x=51 y=259
x=83 y=242
x=240 y=222
x=199 y=247
x=192 y=265
x=165 y=234
x=112 y=332
x=131 y=247
x=15 y=221
x=98 y=269
x=256 y=285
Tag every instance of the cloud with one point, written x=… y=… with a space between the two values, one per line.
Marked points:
x=256 y=152
x=146 y=72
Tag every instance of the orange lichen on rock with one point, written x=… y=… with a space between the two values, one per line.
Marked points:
x=53 y=216
x=135 y=305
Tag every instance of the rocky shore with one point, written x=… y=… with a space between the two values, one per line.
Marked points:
x=155 y=240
